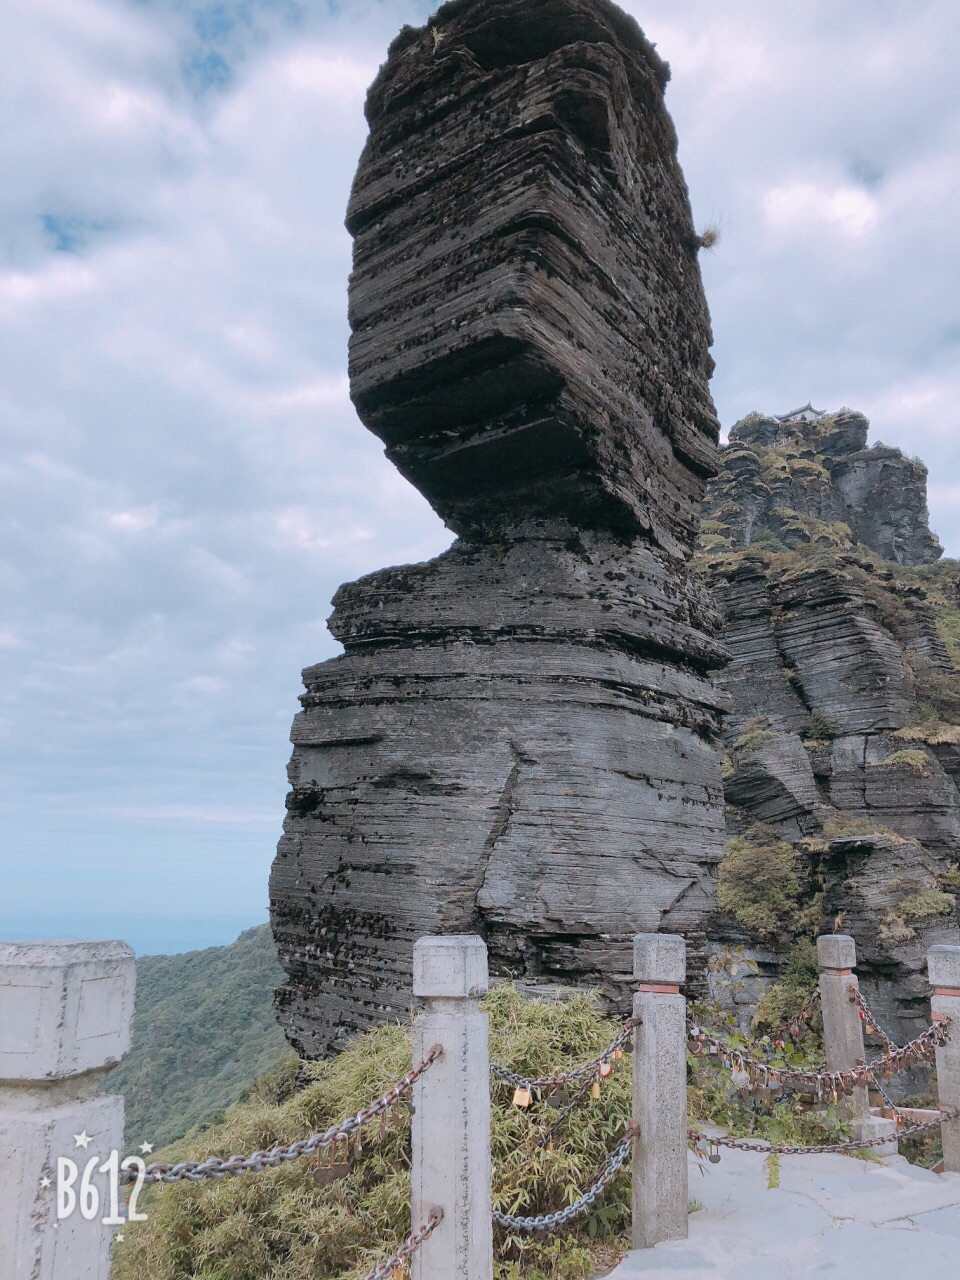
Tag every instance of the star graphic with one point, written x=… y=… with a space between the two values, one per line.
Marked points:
x=146 y=1148
x=82 y=1140
x=45 y=1182
x=119 y=1237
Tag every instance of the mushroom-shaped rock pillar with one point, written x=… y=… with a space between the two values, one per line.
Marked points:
x=520 y=739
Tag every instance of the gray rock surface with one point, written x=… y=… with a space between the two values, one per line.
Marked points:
x=521 y=738
x=844 y=737
x=777 y=474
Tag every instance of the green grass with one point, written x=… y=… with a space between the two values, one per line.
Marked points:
x=278 y=1225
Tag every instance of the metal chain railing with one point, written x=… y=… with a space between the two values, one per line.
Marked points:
x=566 y=1110
x=407 y=1249
x=614 y=1162
x=890 y=1064
x=347 y=1130
x=568 y=1077
x=869 y=1020
x=702 y=1143
x=793 y=1025
x=890 y=1104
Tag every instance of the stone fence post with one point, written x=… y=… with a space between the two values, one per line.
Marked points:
x=943 y=970
x=65 y=1016
x=659 y=1090
x=843 y=1034
x=842 y=1025
x=451 y=1121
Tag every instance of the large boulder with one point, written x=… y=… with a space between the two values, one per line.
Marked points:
x=521 y=737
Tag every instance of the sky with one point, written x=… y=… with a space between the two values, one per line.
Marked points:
x=183 y=480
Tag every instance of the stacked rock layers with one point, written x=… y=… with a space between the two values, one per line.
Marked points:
x=521 y=737
x=845 y=728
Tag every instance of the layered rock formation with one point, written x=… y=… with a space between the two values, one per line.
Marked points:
x=843 y=739
x=779 y=473
x=521 y=737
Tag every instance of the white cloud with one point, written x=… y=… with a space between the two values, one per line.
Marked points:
x=204 y=684
x=806 y=208
x=185 y=482
x=134 y=521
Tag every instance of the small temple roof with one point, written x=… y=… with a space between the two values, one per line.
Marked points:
x=808 y=412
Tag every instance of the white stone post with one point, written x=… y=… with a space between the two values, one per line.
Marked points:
x=659 y=1090
x=842 y=1025
x=451 y=1121
x=943 y=970
x=65 y=1016
x=843 y=1034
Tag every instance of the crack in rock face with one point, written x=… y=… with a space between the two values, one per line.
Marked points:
x=521 y=737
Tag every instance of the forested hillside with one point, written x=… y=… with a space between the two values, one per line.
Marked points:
x=203 y=1030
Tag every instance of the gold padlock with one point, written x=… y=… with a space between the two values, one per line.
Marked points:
x=595 y=1089
x=522 y=1097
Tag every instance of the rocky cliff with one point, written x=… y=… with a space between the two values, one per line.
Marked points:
x=521 y=738
x=843 y=746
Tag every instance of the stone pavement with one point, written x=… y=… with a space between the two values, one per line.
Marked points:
x=832 y=1216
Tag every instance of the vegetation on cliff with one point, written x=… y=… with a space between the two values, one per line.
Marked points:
x=279 y=1225
x=203 y=1030
x=842 y=767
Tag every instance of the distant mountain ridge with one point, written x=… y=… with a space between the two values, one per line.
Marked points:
x=203 y=1030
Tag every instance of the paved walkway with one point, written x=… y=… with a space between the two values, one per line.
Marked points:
x=832 y=1216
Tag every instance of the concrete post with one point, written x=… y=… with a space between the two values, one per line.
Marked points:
x=659 y=1090
x=943 y=970
x=65 y=1016
x=843 y=1034
x=451 y=1121
x=842 y=1026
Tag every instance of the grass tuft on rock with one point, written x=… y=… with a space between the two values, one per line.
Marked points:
x=758 y=882
x=278 y=1225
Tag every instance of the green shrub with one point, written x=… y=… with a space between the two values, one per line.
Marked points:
x=923 y=906
x=758 y=882
x=799 y=977
x=820 y=727
x=754 y=735
x=766 y=540
x=908 y=758
x=751 y=741
x=278 y=1225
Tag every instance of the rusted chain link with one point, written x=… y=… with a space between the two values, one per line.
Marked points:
x=869 y=1020
x=765 y=1074
x=565 y=1112
x=550 y=1221
x=702 y=1143
x=890 y=1104
x=198 y=1171
x=568 y=1077
x=407 y=1249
